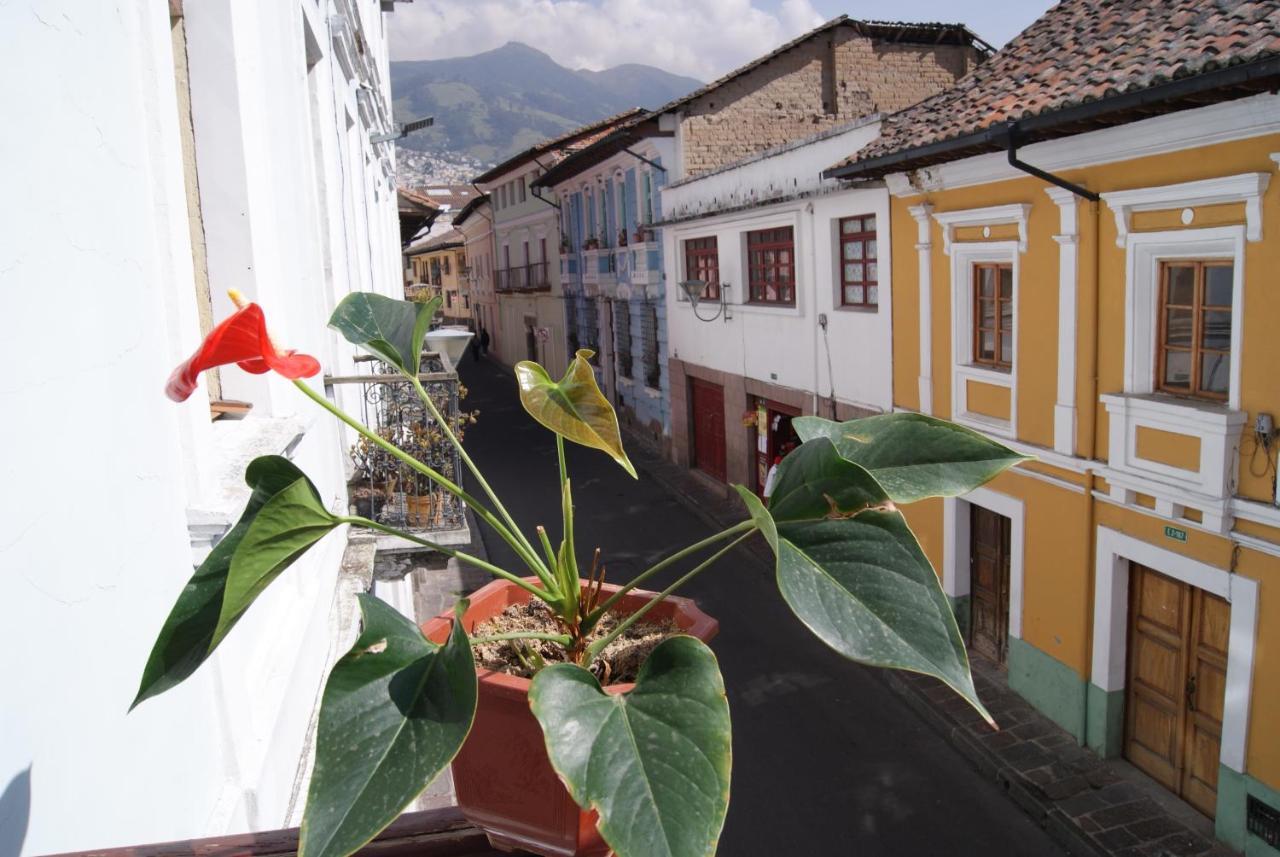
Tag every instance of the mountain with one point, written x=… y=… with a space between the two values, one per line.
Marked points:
x=492 y=105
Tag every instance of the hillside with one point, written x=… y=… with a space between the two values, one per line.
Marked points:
x=491 y=105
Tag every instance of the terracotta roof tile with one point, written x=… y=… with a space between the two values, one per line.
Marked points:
x=550 y=152
x=1082 y=51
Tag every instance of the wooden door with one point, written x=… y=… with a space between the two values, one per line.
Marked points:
x=988 y=583
x=707 y=408
x=1177 y=671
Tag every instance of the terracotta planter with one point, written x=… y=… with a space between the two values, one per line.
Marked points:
x=503 y=780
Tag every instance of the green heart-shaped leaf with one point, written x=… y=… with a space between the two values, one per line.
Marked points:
x=654 y=762
x=395 y=711
x=287 y=524
x=188 y=635
x=760 y=515
x=914 y=456
x=391 y=329
x=574 y=408
x=852 y=571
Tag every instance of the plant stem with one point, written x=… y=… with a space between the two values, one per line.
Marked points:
x=484 y=514
x=562 y=639
x=459 y=555
x=471 y=465
x=599 y=645
x=569 y=568
x=594 y=615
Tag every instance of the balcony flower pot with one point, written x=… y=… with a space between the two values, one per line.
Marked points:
x=622 y=238
x=591 y=244
x=502 y=777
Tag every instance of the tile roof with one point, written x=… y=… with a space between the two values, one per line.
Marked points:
x=558 y=148
x=1077 y=53
x=434 y=243
x=469 y=209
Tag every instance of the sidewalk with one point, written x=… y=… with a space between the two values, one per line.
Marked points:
x=1087 y=804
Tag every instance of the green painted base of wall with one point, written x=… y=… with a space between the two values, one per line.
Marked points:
x=1054 y=688
x=1229 y=824
x=1105 y=725
x=960 y=607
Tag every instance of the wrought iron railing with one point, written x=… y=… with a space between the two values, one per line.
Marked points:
x=524 y=278
x=382 y=487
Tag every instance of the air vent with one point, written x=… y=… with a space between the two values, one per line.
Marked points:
x=1263 y=821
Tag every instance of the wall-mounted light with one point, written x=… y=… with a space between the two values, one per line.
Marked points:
x=693 y=289
x=403 y=131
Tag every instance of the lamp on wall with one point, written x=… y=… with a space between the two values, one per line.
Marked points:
x=693 y=289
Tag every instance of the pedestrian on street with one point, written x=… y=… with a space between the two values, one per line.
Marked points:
x=484 y=341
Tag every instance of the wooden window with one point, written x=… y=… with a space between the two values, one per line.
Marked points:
x=859 y=274
x=1194 y=346
x=702 y=262
x=649 y=332
x=591 y=329
x=771 y=266
x=646 y=206
x=993 y=315
x=622 y=337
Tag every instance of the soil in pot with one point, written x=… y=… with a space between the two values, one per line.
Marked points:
x=619 y=662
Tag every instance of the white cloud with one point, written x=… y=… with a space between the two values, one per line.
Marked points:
x=701 y=38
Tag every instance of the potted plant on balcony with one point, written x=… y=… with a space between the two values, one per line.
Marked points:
x=564 y=245
x=643 y=752
x=622 y=238
x=592 y=243
x=643 y=234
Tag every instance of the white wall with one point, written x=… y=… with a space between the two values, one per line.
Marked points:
x=784 y=345
x=106 y=474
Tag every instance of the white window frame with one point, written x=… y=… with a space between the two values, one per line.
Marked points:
x=1115 y=551
x=963 y=257
x=1144 y=252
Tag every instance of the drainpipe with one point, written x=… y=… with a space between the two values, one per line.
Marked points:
x=1011 y=146
x=1087 y=446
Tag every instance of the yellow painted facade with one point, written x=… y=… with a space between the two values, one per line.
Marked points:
x=444 y=273
x=1067 y=503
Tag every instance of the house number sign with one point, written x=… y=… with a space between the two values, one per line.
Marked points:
x=1176 y=534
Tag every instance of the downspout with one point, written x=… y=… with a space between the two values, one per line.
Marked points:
x=1011 y=146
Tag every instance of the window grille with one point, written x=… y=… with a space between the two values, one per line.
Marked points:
x=622 y=337
x=649 y=338
x=859 y=274
x=702 y=262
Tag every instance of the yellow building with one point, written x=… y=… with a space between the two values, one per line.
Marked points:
x=438 y=268
x=1085 y=266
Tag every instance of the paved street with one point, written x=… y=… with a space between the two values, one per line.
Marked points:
x=826 y=759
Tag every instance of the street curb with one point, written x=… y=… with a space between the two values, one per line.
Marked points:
x=1020 y=790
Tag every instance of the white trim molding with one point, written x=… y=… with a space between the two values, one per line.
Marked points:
x=963 y=370
x=1068 y=238
x=1208 y=487
x=956 y=562
x=924 y=246
x=1145 y=251
x=994 y=216
x=1115 y=551
x=1246 y=187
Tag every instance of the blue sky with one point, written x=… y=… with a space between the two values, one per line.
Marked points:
x=700 y=38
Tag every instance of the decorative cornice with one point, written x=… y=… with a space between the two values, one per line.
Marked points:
x=995 y=215
x=1246 y=187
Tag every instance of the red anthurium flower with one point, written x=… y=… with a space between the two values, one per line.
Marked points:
x=243 y=340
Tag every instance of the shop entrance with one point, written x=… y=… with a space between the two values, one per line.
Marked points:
x=1177 y=677
x=775 y=437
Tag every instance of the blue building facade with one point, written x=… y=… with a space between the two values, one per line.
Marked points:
x=612 y=273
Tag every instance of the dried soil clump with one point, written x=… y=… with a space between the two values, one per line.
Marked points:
x=619 y=662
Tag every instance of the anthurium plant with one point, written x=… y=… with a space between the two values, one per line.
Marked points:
x=653 y=762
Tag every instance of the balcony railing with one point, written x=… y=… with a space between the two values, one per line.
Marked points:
x=533 y=277
x=382 y=487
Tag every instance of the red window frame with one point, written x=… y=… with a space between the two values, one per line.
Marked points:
x=771 y=266
x=859 y=263
x=702 y=262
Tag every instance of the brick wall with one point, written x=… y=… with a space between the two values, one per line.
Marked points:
x=789 y=97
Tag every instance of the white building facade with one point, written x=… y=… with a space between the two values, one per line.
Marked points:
x=169 y=152
x=795 y=317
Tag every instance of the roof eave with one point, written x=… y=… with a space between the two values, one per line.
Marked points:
x=1056 y=123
